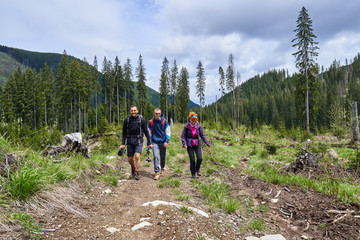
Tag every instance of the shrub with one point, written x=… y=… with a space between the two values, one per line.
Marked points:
x=271 y=148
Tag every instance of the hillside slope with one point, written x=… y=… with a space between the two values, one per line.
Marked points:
x=8 y=65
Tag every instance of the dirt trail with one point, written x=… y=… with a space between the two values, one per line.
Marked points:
x=296 y=215
x=122 y=209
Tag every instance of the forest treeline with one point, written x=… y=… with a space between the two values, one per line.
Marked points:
x=79 y=97
x=276 y=98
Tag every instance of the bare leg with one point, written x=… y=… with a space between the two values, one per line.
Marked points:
x=137 y=161
x=131 y=161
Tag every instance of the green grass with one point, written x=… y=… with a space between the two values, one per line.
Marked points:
x=32 y=230
x=186 y=210
x=179 y=195
x=230 y=205
x=24 y=183
x=342 y=191
x=169 y=182
x=218 y=195
x=257 y=224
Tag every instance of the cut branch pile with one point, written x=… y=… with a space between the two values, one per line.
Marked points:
x=305 y=160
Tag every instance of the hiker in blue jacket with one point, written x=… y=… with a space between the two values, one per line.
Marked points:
x=159 y=130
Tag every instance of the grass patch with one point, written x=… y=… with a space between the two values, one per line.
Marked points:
x=25 y=183
x=32 y=230
x=218 y=195
x=342 y=191
x=169 y=182
x=186 y=210
x=179 y=195
x=257 y=224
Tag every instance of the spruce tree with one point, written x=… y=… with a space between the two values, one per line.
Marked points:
x=183 y=92
x=118 y=81
x=200 y=86
x=173 y=87
x=96 y=87
x=164 y=86
x=222 y=88
x=62 y=83
x=141 y=87
x=306 y=54
x=128 y=85
x=230 y=85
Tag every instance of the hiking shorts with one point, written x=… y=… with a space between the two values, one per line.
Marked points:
x=132 y=149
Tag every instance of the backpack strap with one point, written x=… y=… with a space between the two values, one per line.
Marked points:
x=152 y=123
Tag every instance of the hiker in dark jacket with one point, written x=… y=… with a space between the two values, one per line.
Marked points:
x=133 y=133
x=190 y=139
x=159 y=130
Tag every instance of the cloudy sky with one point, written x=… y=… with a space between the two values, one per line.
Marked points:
x=257 y=32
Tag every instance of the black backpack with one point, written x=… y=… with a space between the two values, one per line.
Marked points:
x=134 y=139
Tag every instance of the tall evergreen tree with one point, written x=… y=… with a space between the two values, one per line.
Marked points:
x=96 y=87
x=222 y=88
x=183 y=94
x=173 y=87
x=62 y=95
x=118 y=81
x=306 y=53
x=128 y=85
x=47 y=95
x=141 y=87
x=164 y=86
x=230 y=84
x=200 y=86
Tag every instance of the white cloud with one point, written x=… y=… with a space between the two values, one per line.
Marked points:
x=258 y=33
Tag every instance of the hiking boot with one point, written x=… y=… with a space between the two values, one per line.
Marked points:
x=162 y=171
x=198 y=173
x=133 y=171
x=193 y=176
x=137 y=175
x=157 y=176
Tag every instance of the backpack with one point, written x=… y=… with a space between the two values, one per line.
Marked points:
x=152 y=123
x=134 y=139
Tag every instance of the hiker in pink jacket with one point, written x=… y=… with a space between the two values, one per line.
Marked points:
x=190 y=139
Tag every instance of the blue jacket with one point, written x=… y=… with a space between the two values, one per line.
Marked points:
x=159 y=133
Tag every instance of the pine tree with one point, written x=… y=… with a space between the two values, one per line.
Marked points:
x=306 y=53
x=183 y=92
x=47 y=97
x=62 y=85
x=230 y=85
x=200 y=86
x=128 y=85
x=118 y=81
x=141 y=87
x=173 y=87
x=86 y=75
x=164 y=86
x=96 y=88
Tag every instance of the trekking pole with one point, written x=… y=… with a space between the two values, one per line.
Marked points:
x=148 y=155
